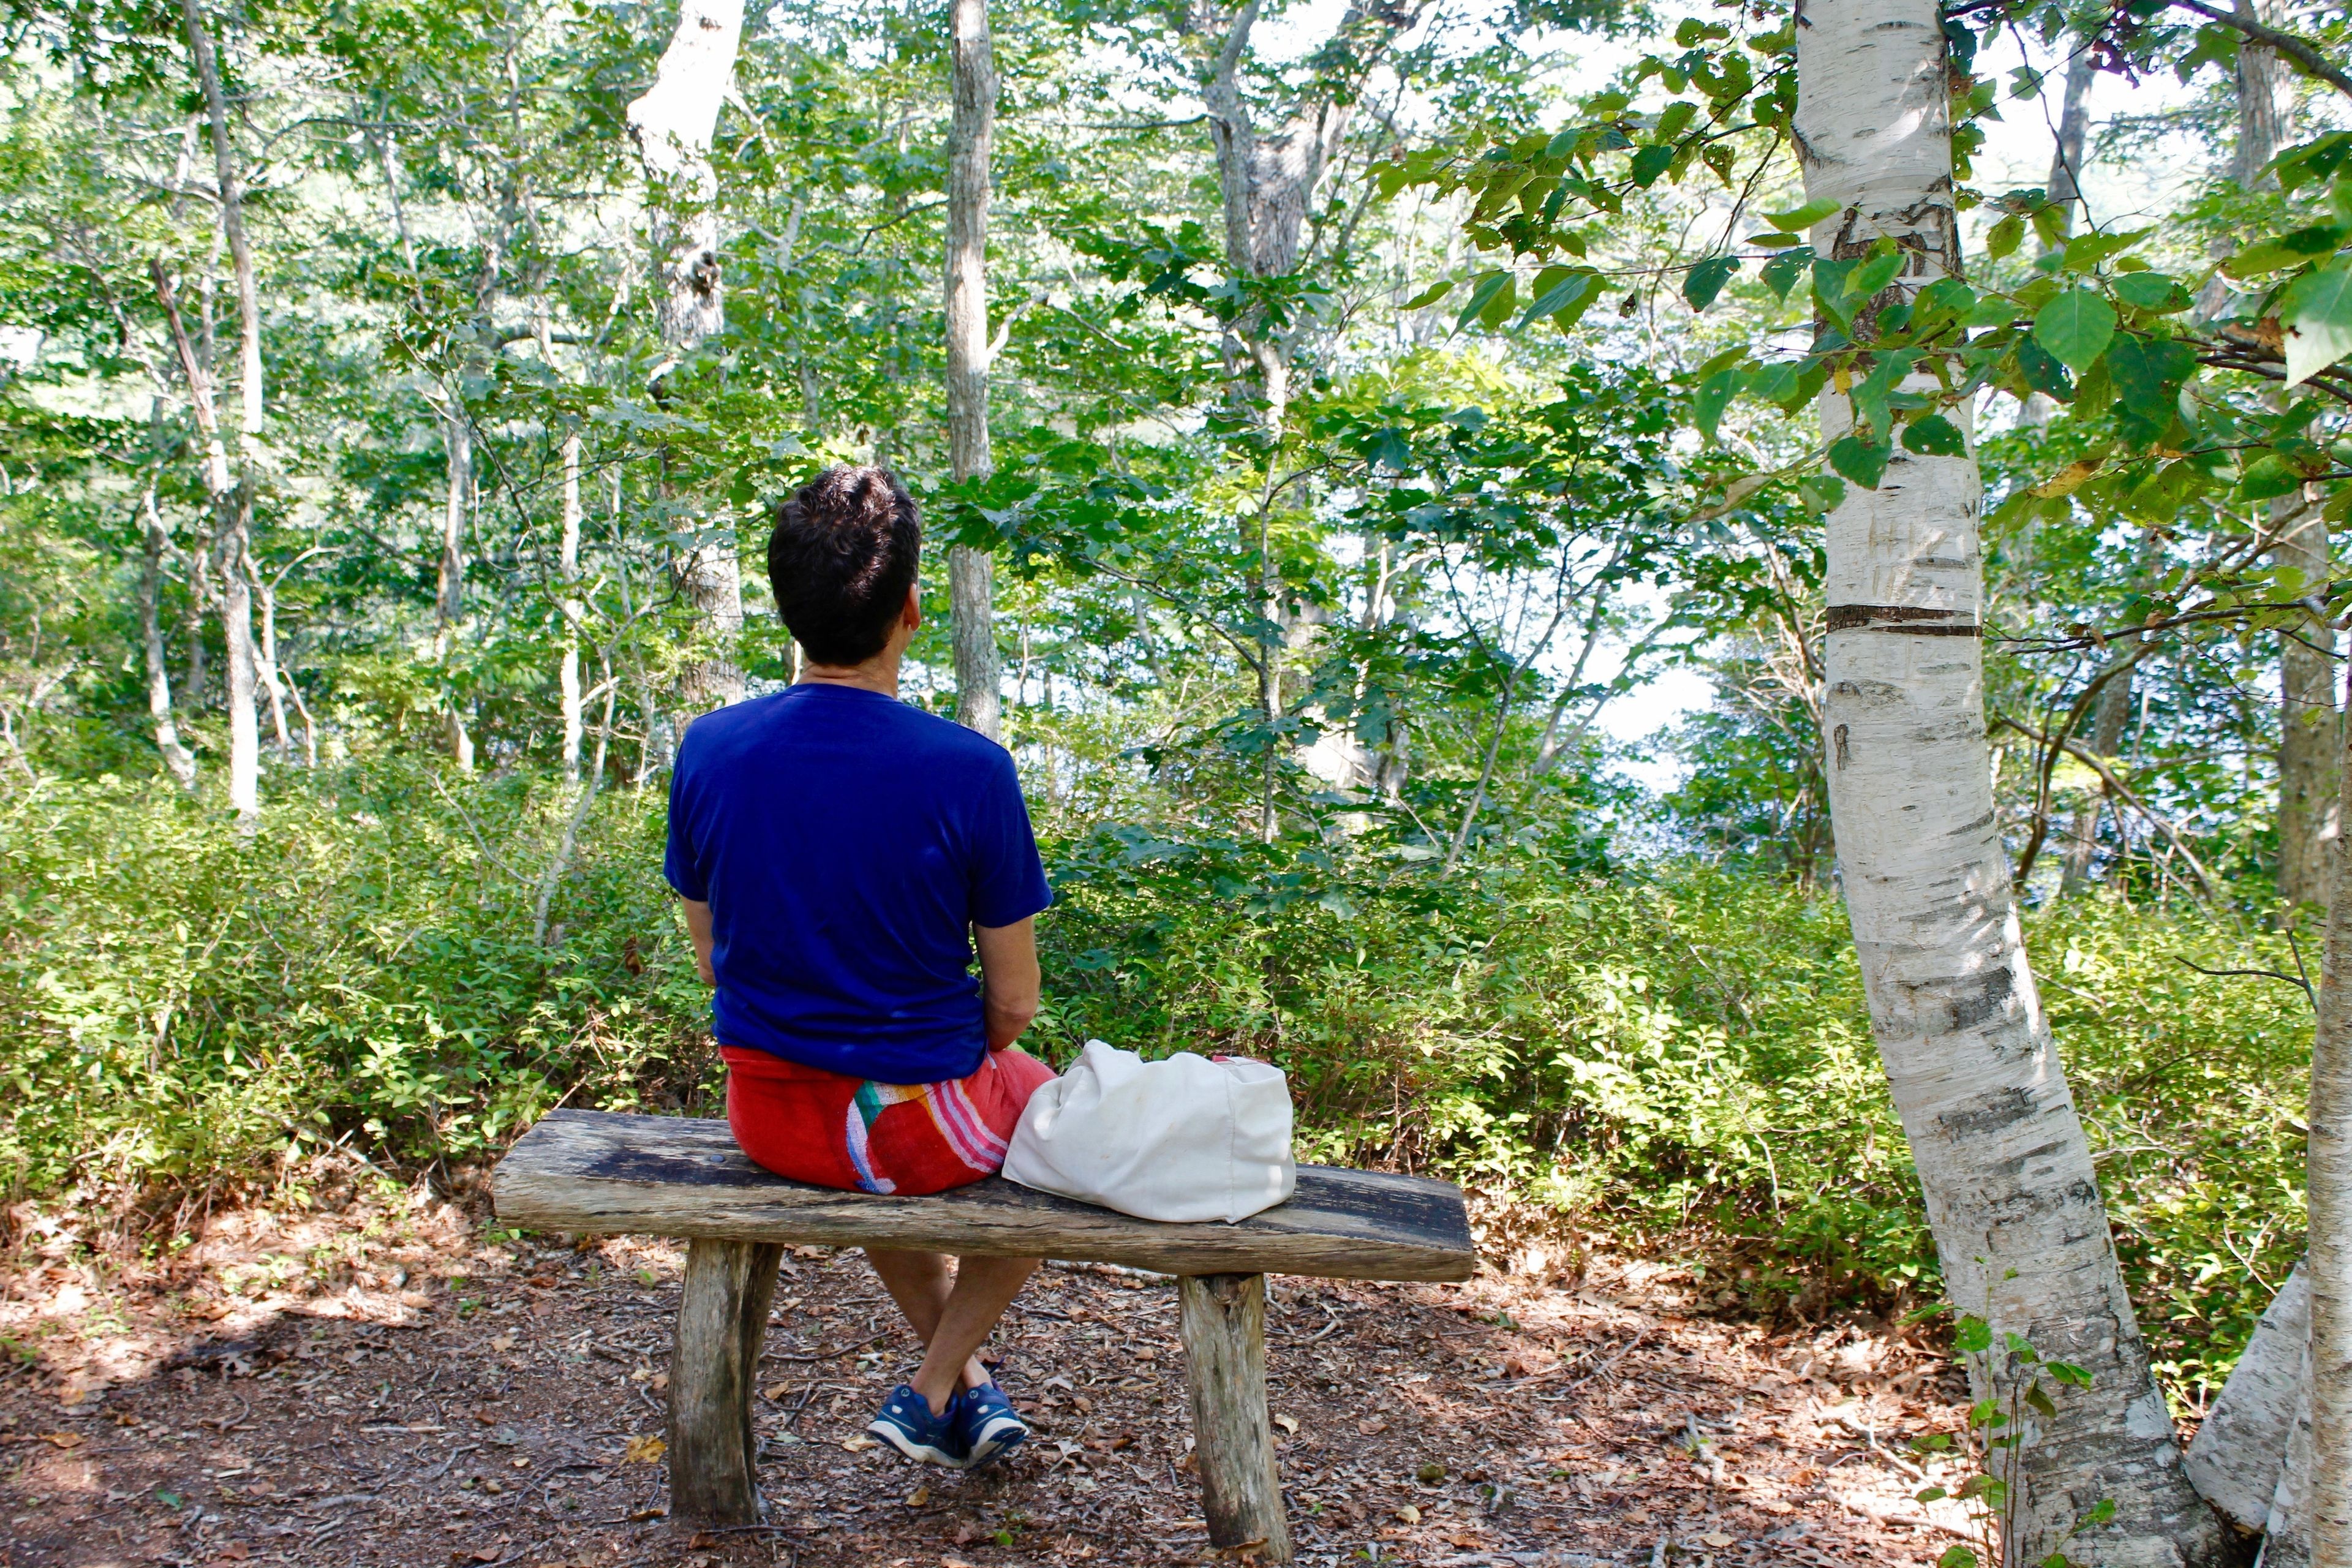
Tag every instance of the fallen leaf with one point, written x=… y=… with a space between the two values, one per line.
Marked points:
x=1716 y=1539
x=1373 y=1427
x=775 y=1392
x=1409 y=1514
x=1288 y=1423
x=1775 y=1505
x=858 y=1444
x=644 y=1451
x=919 y=1497
x=64 y=1439
x=521 y=1464
x=503 y=1342
x=639 y=1515
x=660 y=1382
x=236 y=1550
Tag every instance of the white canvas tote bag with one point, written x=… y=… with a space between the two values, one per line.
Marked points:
x=1180 y=1139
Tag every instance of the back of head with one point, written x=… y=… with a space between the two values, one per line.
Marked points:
x=841 y=560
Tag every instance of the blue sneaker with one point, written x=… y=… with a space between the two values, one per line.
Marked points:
x=985 y=1422
x=907 y=1425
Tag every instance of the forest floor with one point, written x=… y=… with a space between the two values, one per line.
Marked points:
x=390 y=1382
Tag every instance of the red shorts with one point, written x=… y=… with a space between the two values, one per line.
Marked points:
x=810 y=1125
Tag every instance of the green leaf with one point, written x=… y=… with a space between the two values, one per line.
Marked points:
x=1782 y=271
x=1973 y=1336
x=2148 y=374
x=2286 y=251
x=1957 y=1557
x=1559 y=289
x=1484 y=290
x=1649 y=162
x=1930 y=1494
x=2040 y=1401
x=2004 y=237
x=1821 y=493
x=1706 y=281
x=2100 y=1512
x=1864 y=462
x=1871 y=276
x=1389 y=450
x=2067 y=1372
x=2074 y=327
x=1803 y=218
x=1714 y=395
x=1934 y=437
x=2316 y=311
x=2043 y=373
x=1777 y=383
x=1430 y=296
x=2157 y=292
x=2267 y=475
x=1675 y=119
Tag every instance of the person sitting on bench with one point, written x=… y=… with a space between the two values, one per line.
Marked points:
x=838 y=851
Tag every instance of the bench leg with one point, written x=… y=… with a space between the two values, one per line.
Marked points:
x=714 y=1365
x=1223 y=1321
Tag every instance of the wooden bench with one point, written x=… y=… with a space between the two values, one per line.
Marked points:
x=593 y=1173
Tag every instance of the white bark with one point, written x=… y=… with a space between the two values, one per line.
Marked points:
x=2327 y=1501
x=450 y=598
x=232 y=515
x=979 y=702
x=672 y=124
x=2238 y=1452
x=2004 y=1163
x=176 y=757
x=567 y=566
x=2287 y=1540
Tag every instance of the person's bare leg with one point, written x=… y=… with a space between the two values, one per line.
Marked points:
x=983 y=1287
x=919 y=1283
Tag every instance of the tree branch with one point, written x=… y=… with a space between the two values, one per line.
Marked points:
x=2304 y=54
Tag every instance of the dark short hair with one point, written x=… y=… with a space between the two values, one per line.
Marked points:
x=841 y=560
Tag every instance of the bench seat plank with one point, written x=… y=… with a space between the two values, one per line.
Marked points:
x=607 y=1174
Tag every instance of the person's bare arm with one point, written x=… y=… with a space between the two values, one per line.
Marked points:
x=698 y=926
x=1009 y=979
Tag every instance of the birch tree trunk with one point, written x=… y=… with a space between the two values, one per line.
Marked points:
x=176 y=757
x=979 y=700
x=2003 y=1162
x=449 y=597
x=672 y=124
x=2326 y=1495
x=568 y=569
x=233 y=505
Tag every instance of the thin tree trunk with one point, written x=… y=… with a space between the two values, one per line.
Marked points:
x=2004 y=1166
x=979 y=700
x=672 y=124
x=2307 y=810
x=2065 y=187
x=2108 y=721
x=265 y=659
x=2327 y=1499
x=233 y=513
x=568 y=567
x=449 y=597
x=176 y=757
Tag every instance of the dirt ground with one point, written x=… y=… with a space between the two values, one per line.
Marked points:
x=386 y=1383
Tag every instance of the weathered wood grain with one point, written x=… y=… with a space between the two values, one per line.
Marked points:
x=722 y=1319
x=594 y=1172
x=1222 y=1317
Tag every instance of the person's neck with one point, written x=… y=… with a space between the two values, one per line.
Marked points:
x=879 y=673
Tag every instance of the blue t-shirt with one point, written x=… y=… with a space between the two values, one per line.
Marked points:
x=845 y=843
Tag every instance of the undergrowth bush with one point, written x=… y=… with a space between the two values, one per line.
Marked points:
x=1674 y=1058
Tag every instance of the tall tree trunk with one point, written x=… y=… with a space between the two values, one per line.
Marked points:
x=673 y=123
x=568 y=567
x=980 y=700
x=449 y=597
x=2108 y=721
x=176 y=757
x=2326 y=1483
x=2003 y=1162
x=2065 y=187
x=233 y=521
x=2308 y=815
